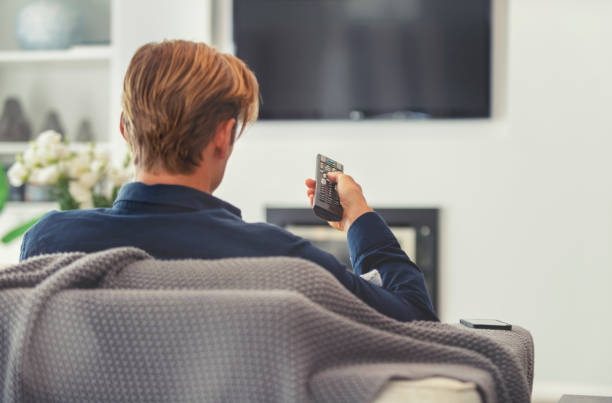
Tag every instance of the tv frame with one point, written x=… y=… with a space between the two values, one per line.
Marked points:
x=448 y=114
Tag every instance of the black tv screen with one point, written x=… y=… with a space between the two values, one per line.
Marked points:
x=363 y=59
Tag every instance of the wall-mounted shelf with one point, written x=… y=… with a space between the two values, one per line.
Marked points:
x=75 y=54
x=12 y=147
x=15 y=147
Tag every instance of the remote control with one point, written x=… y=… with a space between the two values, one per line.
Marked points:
x=326 y=203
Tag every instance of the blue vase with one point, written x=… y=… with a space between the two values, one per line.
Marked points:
x=47 y=24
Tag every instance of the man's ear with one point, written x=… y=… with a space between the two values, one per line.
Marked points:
x=121 y=127
x=224 y=138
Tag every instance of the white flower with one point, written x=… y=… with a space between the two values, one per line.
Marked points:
x=31 y=158
x=47 y=149
x=101 y=156
x=58 y=152
x=50 y=174
x=17 y=174
x=89 y=170
x=88 y=179
x=80 y=164
x=35 y=177
x=64 y=167
x=45 y=155
x=45 y=176
x=81 y=194
x=48 y=139
x=97 y=166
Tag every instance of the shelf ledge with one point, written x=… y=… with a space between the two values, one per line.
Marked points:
x=77 y=53
x=16 y=147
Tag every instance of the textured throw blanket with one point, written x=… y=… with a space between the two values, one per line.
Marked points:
x=121 y=326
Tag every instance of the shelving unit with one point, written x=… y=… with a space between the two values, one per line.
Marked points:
x=85 y=82
x=74 y=82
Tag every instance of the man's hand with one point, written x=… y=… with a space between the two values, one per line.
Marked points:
x=351 y=198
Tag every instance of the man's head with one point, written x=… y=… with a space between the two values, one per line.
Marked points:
x=181 y=104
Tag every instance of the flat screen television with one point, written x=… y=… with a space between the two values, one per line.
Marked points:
x=367 y=59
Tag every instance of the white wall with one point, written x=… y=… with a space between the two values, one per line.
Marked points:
x=137 y=22
x=526 y=197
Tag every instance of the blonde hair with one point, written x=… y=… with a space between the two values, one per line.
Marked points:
x=175 y=94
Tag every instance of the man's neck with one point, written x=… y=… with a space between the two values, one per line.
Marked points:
x=193 y=181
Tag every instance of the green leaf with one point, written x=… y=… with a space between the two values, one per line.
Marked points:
x=4 y=190
x=17 y=232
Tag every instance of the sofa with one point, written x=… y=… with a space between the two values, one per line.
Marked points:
x=121 y=326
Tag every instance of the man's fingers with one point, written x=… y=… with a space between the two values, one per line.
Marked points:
x=334 y=176
x=311 y=184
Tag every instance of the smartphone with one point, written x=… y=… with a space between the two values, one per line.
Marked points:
x=486 y=324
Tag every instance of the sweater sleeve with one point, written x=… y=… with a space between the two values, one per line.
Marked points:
x=373 y=246
x=402 y=295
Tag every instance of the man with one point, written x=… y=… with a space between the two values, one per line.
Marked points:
x=182 y=103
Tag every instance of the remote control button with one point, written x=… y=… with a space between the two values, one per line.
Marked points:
x=323 y=181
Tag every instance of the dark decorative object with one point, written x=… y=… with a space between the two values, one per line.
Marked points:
x=17 y=193
x=85 y=133
x=422 y=222
x=47 y=24
x=13 y=124
x=53 y=123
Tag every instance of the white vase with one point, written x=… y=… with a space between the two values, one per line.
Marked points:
x=47 y=24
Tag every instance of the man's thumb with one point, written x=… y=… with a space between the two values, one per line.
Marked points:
x=334 y=176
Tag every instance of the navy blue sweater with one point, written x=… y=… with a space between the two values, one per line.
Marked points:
x=177 y=222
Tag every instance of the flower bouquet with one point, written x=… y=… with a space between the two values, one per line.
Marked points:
x=80 y=177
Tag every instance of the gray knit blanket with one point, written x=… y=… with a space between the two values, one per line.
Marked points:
x=120 y=326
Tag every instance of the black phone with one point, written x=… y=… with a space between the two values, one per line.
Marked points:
x=486 y=324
